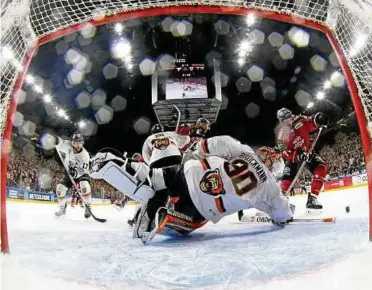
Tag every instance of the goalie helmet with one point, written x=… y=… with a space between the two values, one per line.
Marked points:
x=268 y=156
x=202 y=126
x=157 y=128
x=284 y=114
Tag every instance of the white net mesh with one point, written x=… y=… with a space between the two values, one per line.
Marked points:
x=24 y=21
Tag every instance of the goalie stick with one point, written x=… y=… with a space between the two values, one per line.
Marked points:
x=78 y=191
x=264 y=219
x=178 y=118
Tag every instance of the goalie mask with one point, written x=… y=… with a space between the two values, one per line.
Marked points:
x=268 y=156
x=202 y=126
x=157 y=128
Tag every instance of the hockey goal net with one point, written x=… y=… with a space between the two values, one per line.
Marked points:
x=27 y=24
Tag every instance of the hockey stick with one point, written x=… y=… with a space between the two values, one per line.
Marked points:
x=78 y=191
x=178 y=118
x=304 y=162
x=267 y=220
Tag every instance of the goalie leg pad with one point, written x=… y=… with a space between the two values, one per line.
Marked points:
x=124 y=182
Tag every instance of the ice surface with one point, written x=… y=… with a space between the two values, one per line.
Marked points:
x=74 y=253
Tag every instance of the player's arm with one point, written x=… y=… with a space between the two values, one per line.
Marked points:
x=314 y=122
x=146 y=151
x=222 y=146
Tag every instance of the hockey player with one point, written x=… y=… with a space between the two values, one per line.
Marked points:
x=76 y=159
x=273 y=161
x=161 y=148
x=76 y=199
x=208 y=187
x=194 y=134
x=295 y=147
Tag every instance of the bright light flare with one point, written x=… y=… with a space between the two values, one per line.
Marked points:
x=320 y=95
x=82 y=124
x=118 y=28
x=241 y=61
x=30 y=79
x=245 y=46
x=61 y=113
x=121 y=49
x=38 y=89
x=310 y=105
x=251 y=19
x=327 y=84
x=47 y=98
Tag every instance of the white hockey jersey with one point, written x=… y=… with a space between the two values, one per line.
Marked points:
x=230 y=177
x=161 y=145
x=77 y=163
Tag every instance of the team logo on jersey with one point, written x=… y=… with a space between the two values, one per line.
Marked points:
x=161 y=144
x=212 y=183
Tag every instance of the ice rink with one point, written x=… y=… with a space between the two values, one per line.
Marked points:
x=74 y=253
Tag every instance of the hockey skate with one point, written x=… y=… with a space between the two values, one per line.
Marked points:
x=61 y=211
x=87 y=211
x=313 y=206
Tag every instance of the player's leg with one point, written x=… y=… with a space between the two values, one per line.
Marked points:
x=61 y=191
x=86 y=193
x=289 y=173
x=319 y=170
x=73 y=200
x=277 y=205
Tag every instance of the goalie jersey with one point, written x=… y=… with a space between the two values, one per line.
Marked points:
x=77 y=163
x=228 y=177
x=162 y=145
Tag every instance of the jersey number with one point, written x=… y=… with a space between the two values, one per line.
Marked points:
x=241 y=177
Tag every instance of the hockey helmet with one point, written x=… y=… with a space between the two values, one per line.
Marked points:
x=203 y=123
x=284 y=114
x=157 y=128
x=77 y=138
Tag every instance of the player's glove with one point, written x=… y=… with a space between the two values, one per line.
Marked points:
x=321 y=119
x=303 y=156
x=279 y=147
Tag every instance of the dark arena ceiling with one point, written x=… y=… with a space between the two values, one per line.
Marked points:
x=102 y=76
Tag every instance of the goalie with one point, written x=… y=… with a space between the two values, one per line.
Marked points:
x=225 y=177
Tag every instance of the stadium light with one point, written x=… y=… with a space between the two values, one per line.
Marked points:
x=245 y=46
x=240 y=61
x=121 y=49
x=251 y=19
x=61 y=113
x=327 y=84
x=47 y=98
x=320 y=95
x=82 y=124
x=119 y=28
x=310 y=105
x=30 y=79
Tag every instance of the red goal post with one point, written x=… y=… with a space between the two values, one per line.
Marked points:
x=27 y=24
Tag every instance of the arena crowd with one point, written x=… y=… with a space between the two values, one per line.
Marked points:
x=29 y=169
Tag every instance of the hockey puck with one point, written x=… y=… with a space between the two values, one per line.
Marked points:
x=347 y=209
